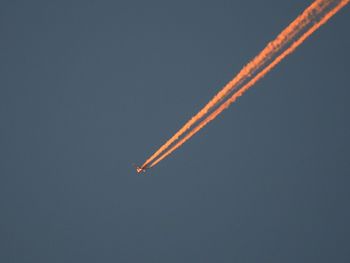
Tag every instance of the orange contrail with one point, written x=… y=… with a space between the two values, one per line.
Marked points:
x=260 y=75
x=285 y=37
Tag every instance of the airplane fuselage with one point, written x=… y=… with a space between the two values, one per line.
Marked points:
x=140 y=169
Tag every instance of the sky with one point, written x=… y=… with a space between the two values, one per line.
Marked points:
x=90 y=87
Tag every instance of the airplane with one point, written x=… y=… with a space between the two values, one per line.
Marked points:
x=140 y=169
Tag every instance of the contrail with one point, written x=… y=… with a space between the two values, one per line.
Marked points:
x=272 y=48
x=310 y=15
x=240 y=92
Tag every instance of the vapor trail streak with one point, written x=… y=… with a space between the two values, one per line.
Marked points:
x=271 y=50
x=260 y=75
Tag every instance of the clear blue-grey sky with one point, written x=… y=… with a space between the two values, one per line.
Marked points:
x=89 y=87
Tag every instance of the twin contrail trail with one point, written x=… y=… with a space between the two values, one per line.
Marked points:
x=313 y=17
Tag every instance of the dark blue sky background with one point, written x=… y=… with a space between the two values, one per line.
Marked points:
x=89 y=87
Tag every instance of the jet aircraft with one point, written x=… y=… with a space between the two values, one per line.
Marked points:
x=140 y=169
